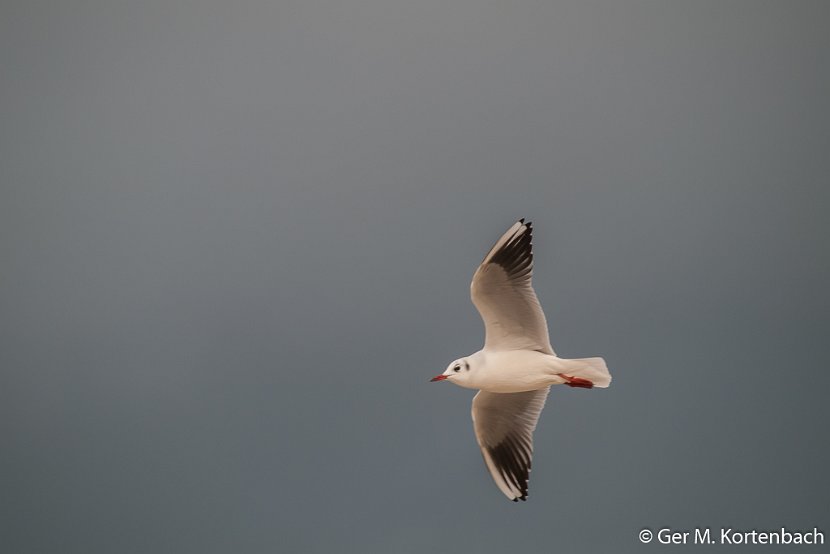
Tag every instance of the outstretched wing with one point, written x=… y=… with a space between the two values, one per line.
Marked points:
x=503 y=293
x=504 y=424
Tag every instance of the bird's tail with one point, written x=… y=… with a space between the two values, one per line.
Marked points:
x=592 y=369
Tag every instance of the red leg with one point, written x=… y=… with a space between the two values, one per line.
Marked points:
x=577 y=382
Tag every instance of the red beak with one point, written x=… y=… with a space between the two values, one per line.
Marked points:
x=438 y=378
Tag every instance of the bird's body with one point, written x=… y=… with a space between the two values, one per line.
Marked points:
x=523 y=370
x=517 y=366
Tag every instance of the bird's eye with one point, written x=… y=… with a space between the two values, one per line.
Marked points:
x=456 y=368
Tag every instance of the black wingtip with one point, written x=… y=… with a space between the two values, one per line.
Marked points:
x=516 y=255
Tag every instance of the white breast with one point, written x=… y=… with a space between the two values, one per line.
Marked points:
x=514 y=370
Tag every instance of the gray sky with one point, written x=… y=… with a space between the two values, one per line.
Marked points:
x=237 y=240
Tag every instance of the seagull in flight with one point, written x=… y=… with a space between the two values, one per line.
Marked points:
x=515 y=369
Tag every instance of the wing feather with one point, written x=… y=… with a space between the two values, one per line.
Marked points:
x=502 y=291
x=504 y=425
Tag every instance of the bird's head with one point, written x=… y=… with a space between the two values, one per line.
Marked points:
x=458 y=372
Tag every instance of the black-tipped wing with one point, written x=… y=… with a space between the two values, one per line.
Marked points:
x=503 y=293
x=504 y=424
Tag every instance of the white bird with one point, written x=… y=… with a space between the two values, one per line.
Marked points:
x=517 y=365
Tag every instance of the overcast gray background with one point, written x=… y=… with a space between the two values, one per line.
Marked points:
x=237 y=240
